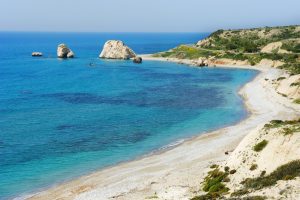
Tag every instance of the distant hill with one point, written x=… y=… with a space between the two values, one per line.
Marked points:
x=280 y=45
x=285 y=39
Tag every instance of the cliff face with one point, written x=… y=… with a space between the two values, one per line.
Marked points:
x=265 y=165
x=261 y=154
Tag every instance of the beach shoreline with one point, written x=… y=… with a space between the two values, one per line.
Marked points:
x=175 y=173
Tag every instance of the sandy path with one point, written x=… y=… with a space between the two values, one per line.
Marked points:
x=176 y=173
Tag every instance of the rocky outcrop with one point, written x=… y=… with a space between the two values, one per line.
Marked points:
x=116 y=49
x=270 y=63
x=274 y=47
x=137 y=60
x=289 y=86
x=205 y=43
x=202 y=62
x=37 y=54
x=63 y=51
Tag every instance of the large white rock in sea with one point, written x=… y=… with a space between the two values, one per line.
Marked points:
x=116 y=49
x=63 y=51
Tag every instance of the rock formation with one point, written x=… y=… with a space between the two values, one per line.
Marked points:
x=115 y=49
x=137 y=60
x=63 y=51
x=202 y=62
x=290 y=86
x=37 y=54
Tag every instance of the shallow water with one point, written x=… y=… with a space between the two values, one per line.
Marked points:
x=63 y=118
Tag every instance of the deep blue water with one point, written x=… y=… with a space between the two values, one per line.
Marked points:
x=60 y=119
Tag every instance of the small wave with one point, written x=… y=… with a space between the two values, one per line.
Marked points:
x=173 y=144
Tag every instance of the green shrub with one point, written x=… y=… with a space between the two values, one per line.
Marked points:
x=281 y=78
x=240 y=192
x=263 y=173
x=260 y=146
x=287 y=131
x=297 y=101
x=295 y=84
x=253 y=167
x=214 y=166
x=213 y=183
x=289 y=170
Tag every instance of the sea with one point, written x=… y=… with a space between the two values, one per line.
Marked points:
x=64 y=118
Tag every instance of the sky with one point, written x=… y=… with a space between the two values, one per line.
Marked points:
x=145 y=15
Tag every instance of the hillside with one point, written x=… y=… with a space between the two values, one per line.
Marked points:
x=278 y=39
x=279 y=46
x=265 y=165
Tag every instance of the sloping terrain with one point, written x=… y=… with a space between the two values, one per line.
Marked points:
x=265 y=165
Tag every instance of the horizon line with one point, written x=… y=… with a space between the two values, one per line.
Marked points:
x=131 y=32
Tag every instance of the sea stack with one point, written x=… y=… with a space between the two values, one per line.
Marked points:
x=116 y=49
x=63 y=51
x=37 y=54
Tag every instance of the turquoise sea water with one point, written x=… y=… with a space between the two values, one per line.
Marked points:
x=60 y=119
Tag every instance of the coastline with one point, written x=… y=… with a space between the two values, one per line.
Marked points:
x=177 y=172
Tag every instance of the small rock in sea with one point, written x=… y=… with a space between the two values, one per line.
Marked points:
x=205 y=62
x=63 y=51
x=37 y=54
x=137 y=60
x=116 y=49
x=202 y=62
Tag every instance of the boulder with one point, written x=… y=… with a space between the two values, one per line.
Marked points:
x=202 y=62
x=63 y=51
x=116 y=49
x=37 y=54
x=205 y=62
x=137 y=60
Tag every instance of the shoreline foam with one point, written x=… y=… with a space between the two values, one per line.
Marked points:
x=176 y=173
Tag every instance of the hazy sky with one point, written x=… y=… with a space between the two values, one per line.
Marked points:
x=145 y=15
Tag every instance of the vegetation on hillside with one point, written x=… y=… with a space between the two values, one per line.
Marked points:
x=252 y=40
x=260 y=146
x=285 y=127
x=252 y=45
x=285 y=172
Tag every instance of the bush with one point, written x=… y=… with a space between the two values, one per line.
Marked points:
x=253 y=167
x=240 y=192
x=260 y=146
x=226 y=168
x=281 y=78
x=297 y=101
x=214 y=166
x=213 y=182
x=287 y=171
x=263 y=173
